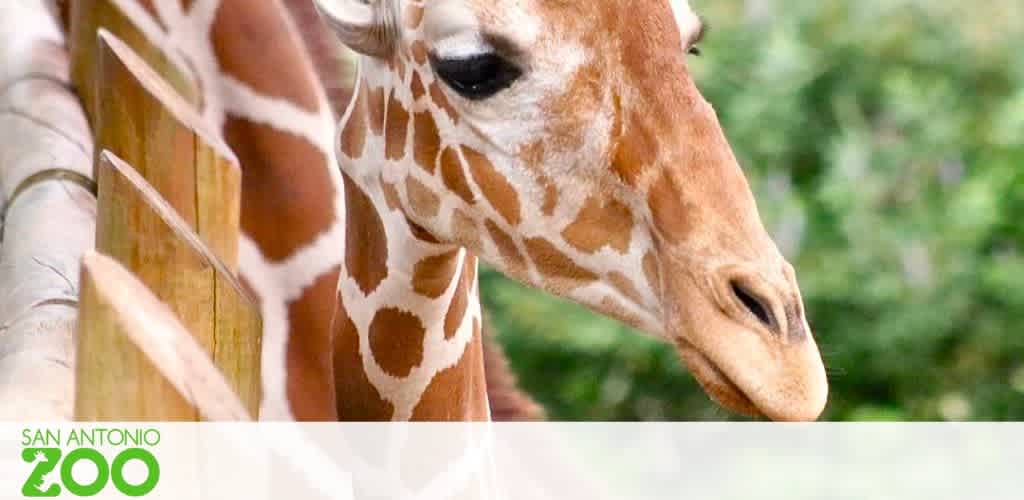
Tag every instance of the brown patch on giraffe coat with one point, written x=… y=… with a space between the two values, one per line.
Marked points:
x=413 y=16
x=465 y=230
x=311 y=378
x=396 y=341
x=573 y=109
x=454 y=177
x=419 y=52
x=421 y=234
x=396 y=129
x=550 y=196
x=353 y=136
x=601 y=223
x=441 y=101
x=506 y=246
x=282 y=70
x=416 y=85
x=562 y=271
x=432 y=275
x=322 y=46
x=460 y=301
x=375 y=106
x=391 y=197
x=270 y=188
x=426 y=141
x=457 y=393
x=652 y=272
x=617 y=310
x=533 y=155
x=422 y=200
x=366 y=245
x=633 y=152
x=495 y=187
x=625 y=286
x=671 y=213
x=357 y=399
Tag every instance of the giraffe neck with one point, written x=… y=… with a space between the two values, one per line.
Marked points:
x=408 y=332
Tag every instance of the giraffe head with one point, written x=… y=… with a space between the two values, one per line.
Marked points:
x=566 y=143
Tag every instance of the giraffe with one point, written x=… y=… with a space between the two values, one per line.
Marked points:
x=276 y=115
x=566 y=144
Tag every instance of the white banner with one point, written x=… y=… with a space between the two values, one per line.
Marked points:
x=512 y=461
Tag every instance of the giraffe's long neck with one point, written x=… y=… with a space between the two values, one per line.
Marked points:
x=408 y=332
x=276 y=117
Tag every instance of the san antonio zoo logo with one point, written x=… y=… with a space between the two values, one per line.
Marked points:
x=58 y=457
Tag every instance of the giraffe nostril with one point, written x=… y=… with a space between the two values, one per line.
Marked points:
x=755 y=306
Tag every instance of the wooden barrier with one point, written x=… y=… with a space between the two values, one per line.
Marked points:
x=145 y=123
x=87 y=17
x=168 y=212
x=140 y=231
x=160 y=371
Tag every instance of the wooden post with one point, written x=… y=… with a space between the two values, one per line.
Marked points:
x=144 y=122
x=161 y=372
x=141 y=231
x=87 y=18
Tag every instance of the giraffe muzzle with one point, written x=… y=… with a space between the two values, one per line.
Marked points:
x=744 y=337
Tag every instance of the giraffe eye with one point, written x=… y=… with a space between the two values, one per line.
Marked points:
x=477 y=77
x=695 y=51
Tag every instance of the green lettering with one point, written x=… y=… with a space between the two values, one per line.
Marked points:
x=39 y=483
x=152 y=467
x=102 y=476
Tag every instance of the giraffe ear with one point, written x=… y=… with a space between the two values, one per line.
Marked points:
x=365 y=26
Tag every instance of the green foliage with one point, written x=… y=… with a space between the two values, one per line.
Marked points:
x=885 y=143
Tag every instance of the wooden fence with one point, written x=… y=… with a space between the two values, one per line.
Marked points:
x=164 y=330
x=168 y=205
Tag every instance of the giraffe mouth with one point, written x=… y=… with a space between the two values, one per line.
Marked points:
x=718 y=386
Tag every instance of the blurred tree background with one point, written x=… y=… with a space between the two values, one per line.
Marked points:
x=884 y=140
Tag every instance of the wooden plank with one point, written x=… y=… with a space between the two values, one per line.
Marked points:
x=161 y=372
x=87 y=17
x=141 y=231
x=144 y=122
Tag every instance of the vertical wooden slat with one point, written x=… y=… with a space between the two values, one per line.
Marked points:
x=161 y=373
x=142 y=232
x=87 y=17
x=144 y=122
x=168 y=209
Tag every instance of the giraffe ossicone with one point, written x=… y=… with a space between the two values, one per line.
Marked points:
x=566 y=144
